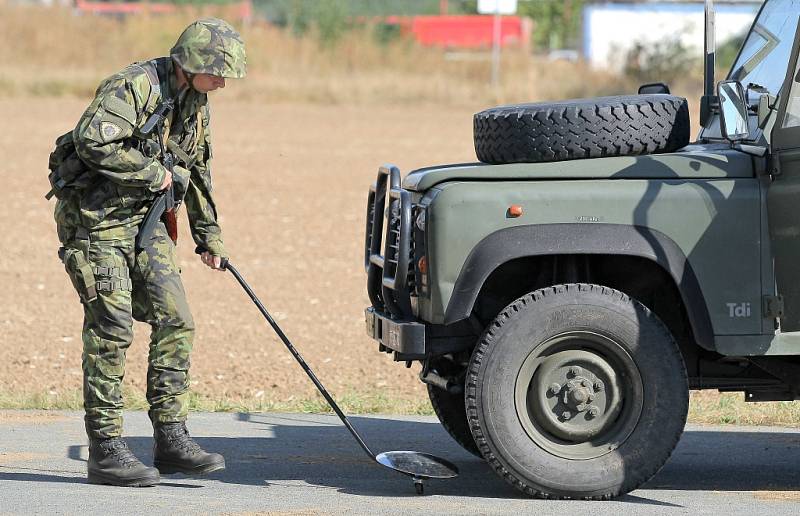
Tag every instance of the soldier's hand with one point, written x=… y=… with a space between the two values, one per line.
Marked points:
x=167 y=181
x=215 y=262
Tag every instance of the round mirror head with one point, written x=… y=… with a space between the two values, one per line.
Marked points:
x=416 y=464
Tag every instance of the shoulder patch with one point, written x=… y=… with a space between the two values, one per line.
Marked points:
x=119 y=107
x=109 y=130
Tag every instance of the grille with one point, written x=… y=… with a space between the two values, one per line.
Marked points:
x=392 y=254
x=370 y=225
x=390 y=277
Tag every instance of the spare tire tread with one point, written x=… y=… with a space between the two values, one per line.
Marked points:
x=583 y=128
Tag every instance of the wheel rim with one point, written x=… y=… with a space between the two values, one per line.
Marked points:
x=579 y=395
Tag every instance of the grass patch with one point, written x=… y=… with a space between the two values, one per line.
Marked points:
x=705 y=407
x=351 y=402
x=7 y=87
x=354 y=70
x=47 y=400
x=55 y=88
x=285 y=67
x=713 y=408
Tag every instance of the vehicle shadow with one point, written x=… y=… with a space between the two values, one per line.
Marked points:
x=284 y=450
x=317 y=452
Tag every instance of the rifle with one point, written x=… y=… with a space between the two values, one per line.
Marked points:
x=164 y=205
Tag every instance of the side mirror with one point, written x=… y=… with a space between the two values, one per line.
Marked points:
x=733 y=111
x=653 y=87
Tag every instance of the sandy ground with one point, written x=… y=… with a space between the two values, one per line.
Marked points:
x=291 y=183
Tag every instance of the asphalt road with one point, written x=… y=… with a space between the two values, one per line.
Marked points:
x=309 y=464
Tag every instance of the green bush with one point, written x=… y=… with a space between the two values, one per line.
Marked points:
x=663 y=61
x=386 y=33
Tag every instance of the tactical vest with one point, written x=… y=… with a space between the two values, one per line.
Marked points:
x=70 y=176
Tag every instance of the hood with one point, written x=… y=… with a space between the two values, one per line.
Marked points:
x=691 y=162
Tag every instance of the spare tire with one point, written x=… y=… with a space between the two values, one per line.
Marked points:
x=582 y=128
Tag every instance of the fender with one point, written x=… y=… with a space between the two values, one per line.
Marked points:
x=549 y=239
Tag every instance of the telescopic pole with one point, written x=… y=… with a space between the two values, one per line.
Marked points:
x=227 y=265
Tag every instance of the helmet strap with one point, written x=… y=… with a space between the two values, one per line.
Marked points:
x=186 y=75
x=180 y=97
x=190 y=79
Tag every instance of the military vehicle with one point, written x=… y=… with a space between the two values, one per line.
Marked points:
x=565 y=293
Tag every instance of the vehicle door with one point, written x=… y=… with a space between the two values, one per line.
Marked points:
x=783 y=199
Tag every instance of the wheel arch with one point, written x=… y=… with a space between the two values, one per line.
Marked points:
x=505 y=246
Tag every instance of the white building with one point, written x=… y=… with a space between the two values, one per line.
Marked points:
x=611 y=29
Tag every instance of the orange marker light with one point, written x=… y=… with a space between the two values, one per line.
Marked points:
x=515 y=210
x=422 y=265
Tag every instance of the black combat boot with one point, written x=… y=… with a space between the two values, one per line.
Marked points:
x=111 y=462
x=176 y=452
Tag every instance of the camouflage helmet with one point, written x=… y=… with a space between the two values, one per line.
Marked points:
x=211 y=46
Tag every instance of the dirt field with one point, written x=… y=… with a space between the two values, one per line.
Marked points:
x=291 y=183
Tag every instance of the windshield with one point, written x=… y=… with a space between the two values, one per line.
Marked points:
x=765 y=53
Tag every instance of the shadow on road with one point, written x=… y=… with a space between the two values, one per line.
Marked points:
x=703 y=460
x=286 y=450
x=38 y=475
x=325 y=455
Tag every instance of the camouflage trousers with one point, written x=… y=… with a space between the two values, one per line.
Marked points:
x=117 y=285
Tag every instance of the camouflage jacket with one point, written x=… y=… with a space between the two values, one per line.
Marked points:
x=127 y=167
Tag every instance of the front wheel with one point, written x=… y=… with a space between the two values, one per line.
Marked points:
x=576 y=391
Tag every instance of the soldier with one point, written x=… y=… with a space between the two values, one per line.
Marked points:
x=98 y=222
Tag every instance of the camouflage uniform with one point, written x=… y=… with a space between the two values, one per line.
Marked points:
x=98 y=227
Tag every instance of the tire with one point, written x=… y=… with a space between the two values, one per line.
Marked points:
x=452 y=413
x=576 y=391
x=583 y=128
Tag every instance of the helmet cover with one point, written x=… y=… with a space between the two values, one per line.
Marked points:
x=211 y=46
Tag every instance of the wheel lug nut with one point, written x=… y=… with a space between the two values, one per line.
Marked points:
x=574 y=371
x=585 y=383
x=598 y=386
x=593 y=411
x=566 y=415
x=554 y=388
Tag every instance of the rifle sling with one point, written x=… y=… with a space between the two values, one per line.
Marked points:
x=181 y=154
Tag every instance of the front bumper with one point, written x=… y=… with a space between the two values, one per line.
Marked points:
x=405 y=338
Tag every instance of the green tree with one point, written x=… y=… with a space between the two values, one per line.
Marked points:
x=557 y=23
x=332 y=18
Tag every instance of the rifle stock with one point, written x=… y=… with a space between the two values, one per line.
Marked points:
x=171 y=221
x=170 y=216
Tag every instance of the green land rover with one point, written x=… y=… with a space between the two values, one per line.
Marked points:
x=564 y=293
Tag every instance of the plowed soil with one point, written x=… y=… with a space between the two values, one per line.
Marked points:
x=291 y=184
